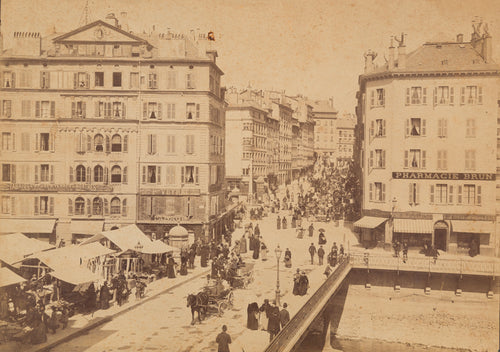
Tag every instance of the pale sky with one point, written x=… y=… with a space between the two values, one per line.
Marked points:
x=312 y=47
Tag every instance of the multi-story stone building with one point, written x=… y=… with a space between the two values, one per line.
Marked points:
x=345 y=136
x=428 y=146
x=325 y=133
x=102 y=128
x=304 y=133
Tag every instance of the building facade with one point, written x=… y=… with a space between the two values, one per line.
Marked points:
x=345 y=136
x=427 y=146
x=325 y=129
x=104 y=128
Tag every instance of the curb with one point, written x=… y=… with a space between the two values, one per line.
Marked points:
x=110 y=317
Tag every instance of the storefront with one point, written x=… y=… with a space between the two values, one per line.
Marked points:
x=415 y=232
x=372 y=230
x=472 y=235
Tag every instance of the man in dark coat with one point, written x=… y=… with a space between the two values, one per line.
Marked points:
x=192 y=255
x=104 y=296
x=223 y=340
x=311 y=230
x=278 y=223
x=256 y=231
x=264 y=309
x=284 y=316
x=321 y=254
x=252 y=320
x=273 y=326
x=312 y=252
x=256 y=248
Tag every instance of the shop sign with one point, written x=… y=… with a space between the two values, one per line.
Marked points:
x=170 y=192
x=443 y=176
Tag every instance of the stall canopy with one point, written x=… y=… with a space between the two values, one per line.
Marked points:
x=413 y=226
x=75 y=275
x=15 y=246
x=27 y=226
x=8 y=277
x=473 y=226
x=369 y=222
x=87 y=227
x=131 y=238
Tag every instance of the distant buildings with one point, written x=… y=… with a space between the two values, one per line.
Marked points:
x=427 y=123
x=325 y=134
x=102 y=128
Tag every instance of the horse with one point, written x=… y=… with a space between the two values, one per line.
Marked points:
x=198 y=303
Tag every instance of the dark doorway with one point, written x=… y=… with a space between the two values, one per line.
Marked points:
x=440 y=239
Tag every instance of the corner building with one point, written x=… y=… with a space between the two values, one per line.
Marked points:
x=427 y=146
x=102 y=128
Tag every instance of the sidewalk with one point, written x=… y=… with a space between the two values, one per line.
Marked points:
x=79 y=324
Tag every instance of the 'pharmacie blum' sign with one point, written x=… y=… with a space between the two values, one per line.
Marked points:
x=443 y=176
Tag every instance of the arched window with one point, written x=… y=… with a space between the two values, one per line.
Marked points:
x=97 y=206
x=116 y=143
x=99 y=143
x=98 y=174
x=80 y=206
x=116 y=174
x=80 y=173
x=115 y=206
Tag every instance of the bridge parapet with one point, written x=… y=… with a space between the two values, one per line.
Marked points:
x=292 y=333
x=427 y=264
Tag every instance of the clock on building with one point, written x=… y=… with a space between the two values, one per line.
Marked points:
x=98 y=33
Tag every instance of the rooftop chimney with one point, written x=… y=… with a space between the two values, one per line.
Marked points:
x=487 y=48
x=401 y=51
x=111 y=19
x=330 y=102
x=124 y=21
x=392 y=49
x=369 y=57
x=460 y=38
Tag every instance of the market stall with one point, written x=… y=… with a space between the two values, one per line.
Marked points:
x=15 y=246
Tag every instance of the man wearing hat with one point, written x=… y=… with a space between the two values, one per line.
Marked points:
x=273 y=326
x=312 y=251
x=284 y=316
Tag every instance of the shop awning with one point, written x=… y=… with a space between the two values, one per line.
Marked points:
x=473 y=226
x=413 y=226
x=16 y=246
x=130 y=238
x=8 y=277
x=74 y=274
x=369 y=222
x=27 y=226
x=87 y=227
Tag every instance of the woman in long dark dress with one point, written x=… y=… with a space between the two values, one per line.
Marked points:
x=303 y=284
x=243 y=244
x=252 y=313
x=204 y=256
x=278 y=223
x=256 y=249
x=184 y=261
x=104 y=296
x=296 y=281
x=283 y=223
x=170 y=267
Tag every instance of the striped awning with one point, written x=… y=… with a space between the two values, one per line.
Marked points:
x=369 y=222
x=473 y=226
x=413 y=226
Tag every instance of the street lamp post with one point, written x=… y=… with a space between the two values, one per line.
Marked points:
x=278 y=252
x=138 y=248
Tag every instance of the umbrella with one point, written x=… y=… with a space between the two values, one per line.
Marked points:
x=321 y=230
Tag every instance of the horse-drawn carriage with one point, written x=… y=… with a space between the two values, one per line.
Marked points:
x=212 y=297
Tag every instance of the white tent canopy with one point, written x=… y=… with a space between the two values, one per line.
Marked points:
x=16 y=246
x=8 y=277
x=74 y=274
x=131 y=238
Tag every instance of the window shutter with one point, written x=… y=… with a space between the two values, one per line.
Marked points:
x=417 y=193
x=371 y=191
x=383 y=159
x=370 y=162
x=196 y=178
x=424 y=96
x=52 y=142
x=444 y=160
x=37 y=174
x=445 y=128
x=450 y=194
x=106 y=175
x=150 y=144
x=53 y=109
x=51 y=173
x=424 y=156
x=108 y=110
x=144 y=174
x=106 y=207
x=13 y=173
x=197 y=111
x=89 y=143
x=182 y=174
x=406 y=158
x=87 y=81
x=124 y=207
x=410 y=193
x=478 y=195
x=452 y=96
x=75 y=80
x=108 y=144
x=37 y=203
x=37 y=142
x=158 y=175
x=88 y=212
x=70 y=174
x=13 y=205
x=37 y=109
x=372 y=128
x=84 y=109
x=89 y=174
x=432 y=194
x=407 y=127
x=434 y=97
x=160 y=108
x=125 y=143
x=154 y=144
x=97 y=111
x=383 y=192
x=144 y=111
x=479 y=95
x=13 y=142
x=51 y=206
x=70 y=207
x=187 y=144
x=440 y=127
x=462 y=95
x=407 y=96
x=13 y=81
x=124 y=110
x=42 y=75
x=125 y=176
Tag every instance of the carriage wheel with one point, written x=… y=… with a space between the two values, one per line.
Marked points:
x=230 y=298
x=222 y=307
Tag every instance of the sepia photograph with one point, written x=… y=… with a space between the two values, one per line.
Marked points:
x=249 y=175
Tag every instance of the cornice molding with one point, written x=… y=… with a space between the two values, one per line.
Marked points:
x=426 y=74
